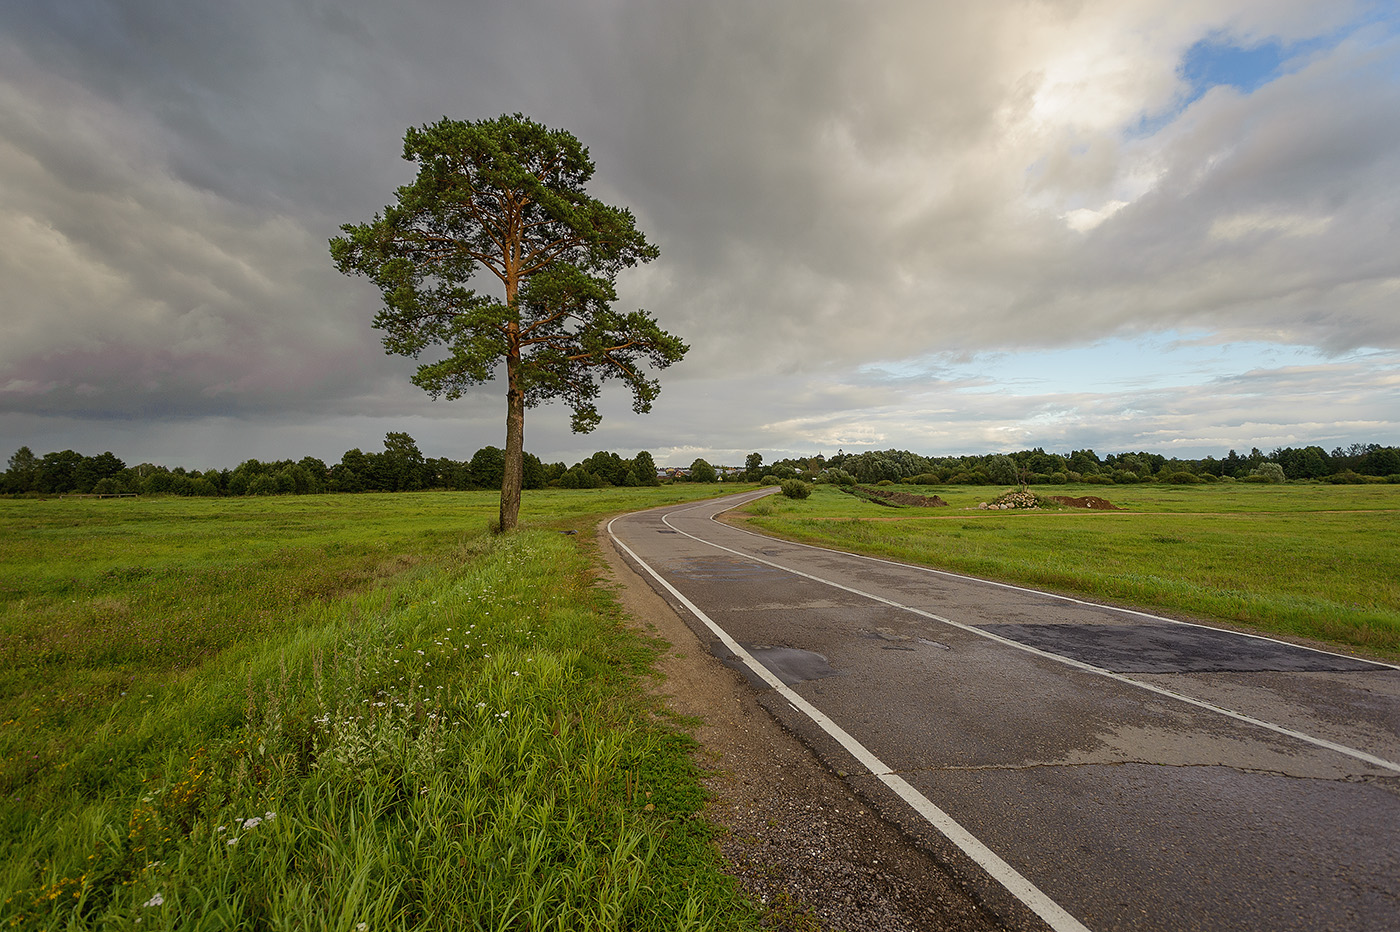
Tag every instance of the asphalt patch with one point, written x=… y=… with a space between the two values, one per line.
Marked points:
x=724 y=568
x=1174 y=649
x=789 y=664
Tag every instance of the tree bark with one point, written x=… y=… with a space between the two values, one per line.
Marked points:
x=512 y=477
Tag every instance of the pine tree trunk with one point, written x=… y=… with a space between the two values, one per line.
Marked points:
x=512 y=478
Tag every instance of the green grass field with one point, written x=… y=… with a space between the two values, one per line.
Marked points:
x=336 y=712
x=365 y=712
x=1316 y=561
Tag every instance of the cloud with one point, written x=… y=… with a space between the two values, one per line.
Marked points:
x=833 y=191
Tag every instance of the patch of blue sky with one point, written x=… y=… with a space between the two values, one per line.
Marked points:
x=1223 y=60
x=1127 y=364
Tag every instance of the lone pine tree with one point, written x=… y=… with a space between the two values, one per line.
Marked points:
x=507 y=195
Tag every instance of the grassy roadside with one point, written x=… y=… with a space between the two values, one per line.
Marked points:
x=1315 y=561
x=341 y=712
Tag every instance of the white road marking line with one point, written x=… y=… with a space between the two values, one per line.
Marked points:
x=1067 y=661
x=1017 y=885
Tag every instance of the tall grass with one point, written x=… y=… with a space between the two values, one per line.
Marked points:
x=372 y=720
x=1315 y=561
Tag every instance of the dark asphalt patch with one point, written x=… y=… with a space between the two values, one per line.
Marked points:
x=1173 y=649
x=721 y=568
x=789 y=664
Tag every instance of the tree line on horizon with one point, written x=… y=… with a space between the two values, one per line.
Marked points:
x=1355 y=463
x=402 y=467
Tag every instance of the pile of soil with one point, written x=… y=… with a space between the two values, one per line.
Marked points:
x=1088 y=501
x=904 y=498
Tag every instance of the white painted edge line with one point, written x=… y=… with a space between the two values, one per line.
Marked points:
x=1017 y=885
x=1067 y=661
x=1053 y=595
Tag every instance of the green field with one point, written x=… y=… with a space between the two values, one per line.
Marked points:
x=366 y=712
x=337 y=712
x=1314 y=561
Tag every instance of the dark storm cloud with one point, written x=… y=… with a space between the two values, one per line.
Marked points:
x=832 y=184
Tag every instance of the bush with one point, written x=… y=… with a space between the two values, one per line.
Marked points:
x=1182 y=478
x=840 y=476
x=769 y=480
x=1270 y=472
x=1094 y=478
x=796 y=488
x=1345 y=477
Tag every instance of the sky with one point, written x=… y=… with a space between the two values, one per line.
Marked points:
x=947 y=227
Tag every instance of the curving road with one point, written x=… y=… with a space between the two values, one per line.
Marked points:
x=1078 y=766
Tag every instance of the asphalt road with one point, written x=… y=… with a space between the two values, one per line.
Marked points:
x=1078 y=766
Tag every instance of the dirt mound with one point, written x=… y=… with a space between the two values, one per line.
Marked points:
x=1088 y=501
x=903 y=498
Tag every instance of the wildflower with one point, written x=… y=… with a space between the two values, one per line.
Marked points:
x=254 y=822
x=269 y=816
x=361 y=927
x=231 y=842
x=155 y=900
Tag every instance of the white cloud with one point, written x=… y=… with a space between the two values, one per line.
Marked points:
x=1083 y=219
x=1239 y=226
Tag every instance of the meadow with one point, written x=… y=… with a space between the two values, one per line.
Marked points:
x=343 y=712
x=1315 y=561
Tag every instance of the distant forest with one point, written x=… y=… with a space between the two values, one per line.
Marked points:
x=401 y=467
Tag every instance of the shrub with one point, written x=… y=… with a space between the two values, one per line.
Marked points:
x=769 y=480
x=1345 y=477
x=1094 y=478
x=840 y=476
x=1182 y=477
x=1271 y=472
x=796 y=488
